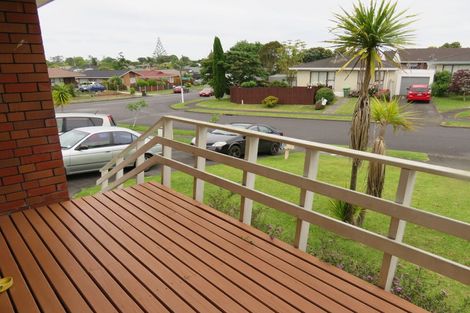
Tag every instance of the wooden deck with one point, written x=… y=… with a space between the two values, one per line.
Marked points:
x=149 y=249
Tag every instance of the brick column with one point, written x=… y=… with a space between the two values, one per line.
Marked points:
x=31 y=167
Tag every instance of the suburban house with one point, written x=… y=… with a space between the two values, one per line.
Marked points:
x=418 y=66
x=98 y=76
x=149 y=248
x=58 y=75
x=170 y=77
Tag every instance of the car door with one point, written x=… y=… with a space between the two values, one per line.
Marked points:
x=121 y=139
x=264 y=145
x=92 y=153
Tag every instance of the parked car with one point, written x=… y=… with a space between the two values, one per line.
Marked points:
x=234 y=144
x=69 y=121
x=206 y=92
x=88 y=149
x=419 y=93
x=177 y=89
x=92 y=87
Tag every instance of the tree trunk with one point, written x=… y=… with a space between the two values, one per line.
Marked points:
x=359 y=133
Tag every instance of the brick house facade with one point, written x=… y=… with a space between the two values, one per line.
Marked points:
x=31 y=168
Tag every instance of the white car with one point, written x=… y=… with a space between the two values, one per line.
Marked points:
x=88 y=149
x=69 y=121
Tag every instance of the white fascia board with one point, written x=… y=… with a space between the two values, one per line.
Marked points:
x=330 y=69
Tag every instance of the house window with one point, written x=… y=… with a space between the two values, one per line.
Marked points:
x=322 y=78
x=449 y=68
x=379 y=78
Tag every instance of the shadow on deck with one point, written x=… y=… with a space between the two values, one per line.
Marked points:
x=150 y=249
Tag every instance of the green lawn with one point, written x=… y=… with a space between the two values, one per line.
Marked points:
x=161 y=92
x=445 y=104
x=443 y=196
x=463 y=114
x=347 y=107
x=224 y=106
x=456 y=123
x=183 y=106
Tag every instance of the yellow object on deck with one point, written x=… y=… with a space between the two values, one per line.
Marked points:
x=5 y=283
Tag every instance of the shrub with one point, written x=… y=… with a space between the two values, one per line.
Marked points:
x=461 y=83
x=270 y=101
x=248 y=84
x=440 y=86
x=71 y=89
x=326 y=93
x=383 y=94
x=354 y=94
x=132 y=91
x=278 y=83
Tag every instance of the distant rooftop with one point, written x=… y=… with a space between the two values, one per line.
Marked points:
x=61 y=73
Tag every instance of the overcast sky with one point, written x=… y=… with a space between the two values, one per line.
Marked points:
x=106 y=27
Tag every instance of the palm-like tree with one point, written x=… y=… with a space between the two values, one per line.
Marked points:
x=367 y=35
x=384 y=114
x=61 y=95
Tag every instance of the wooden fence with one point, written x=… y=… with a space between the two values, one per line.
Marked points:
x=292 y=95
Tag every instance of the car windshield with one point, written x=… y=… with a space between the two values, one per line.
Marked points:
x=71 y=138
x=419 y=89
x=227 y=133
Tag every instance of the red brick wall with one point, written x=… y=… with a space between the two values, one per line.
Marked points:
x=31 y=168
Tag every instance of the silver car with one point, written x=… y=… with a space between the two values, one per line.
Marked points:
x=68 y=121
x=88 y=149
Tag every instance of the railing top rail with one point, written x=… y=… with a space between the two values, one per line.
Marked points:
x=393 y=161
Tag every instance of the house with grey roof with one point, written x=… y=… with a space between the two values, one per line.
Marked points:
x=417 y=66
x=99 y=76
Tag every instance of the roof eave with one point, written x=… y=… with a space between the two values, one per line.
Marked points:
x=41 y=3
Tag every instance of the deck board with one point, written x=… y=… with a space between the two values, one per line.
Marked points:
x=150 y=249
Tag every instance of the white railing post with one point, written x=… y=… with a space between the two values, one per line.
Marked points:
x=306 y=199
x=251 y=155
x=198 y=185
x=397 y=227
x=168 y=134
x=120 y=173
x=105 y=182
x=141 y=159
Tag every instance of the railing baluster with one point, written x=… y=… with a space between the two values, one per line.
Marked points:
x=120 y=173
x=306 y=199
x=198 y=185
x=105 y=182
x=141 y=159
x=397 y=227
x=168 y=134
x=251 y=154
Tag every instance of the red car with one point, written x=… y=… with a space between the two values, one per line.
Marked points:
x=206 y=92
x=419 y=93
x=177 y=89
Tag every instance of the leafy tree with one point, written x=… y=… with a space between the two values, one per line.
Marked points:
x=242 y=62
x=107 y=63
x=268 y=55
x=114 y=83
x=454 y=44
x=218 y=69
x=440 y=86
x=384 y=114
x=316 y=53
x=206 y=69
x=461 y=83
x=61 y=95
x=291 y=53
x=135 y=108
x=365 y=34
x=121 y=63
x=151 y=82
x=142 y=83
x=79 y=62
x=93 y=61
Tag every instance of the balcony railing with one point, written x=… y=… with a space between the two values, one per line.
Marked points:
x=400 y=210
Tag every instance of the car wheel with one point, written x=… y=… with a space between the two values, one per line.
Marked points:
x=275 y=148
x=235 y=151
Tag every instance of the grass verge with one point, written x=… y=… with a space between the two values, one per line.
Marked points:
x=269 y=114
x=456 y=123
x=92 y=98
x=463 y=114
x=183 y=106
x=347 y=107
x=181 y=135
x=445 y=104
x=447 y=199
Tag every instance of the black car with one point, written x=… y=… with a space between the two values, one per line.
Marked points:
x=234 y=144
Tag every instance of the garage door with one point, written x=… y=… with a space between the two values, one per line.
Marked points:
x=408 y=81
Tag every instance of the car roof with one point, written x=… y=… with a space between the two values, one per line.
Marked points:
x=101 y=129
x=81 y=115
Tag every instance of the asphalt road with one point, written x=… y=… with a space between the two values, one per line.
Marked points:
x=446 y=146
